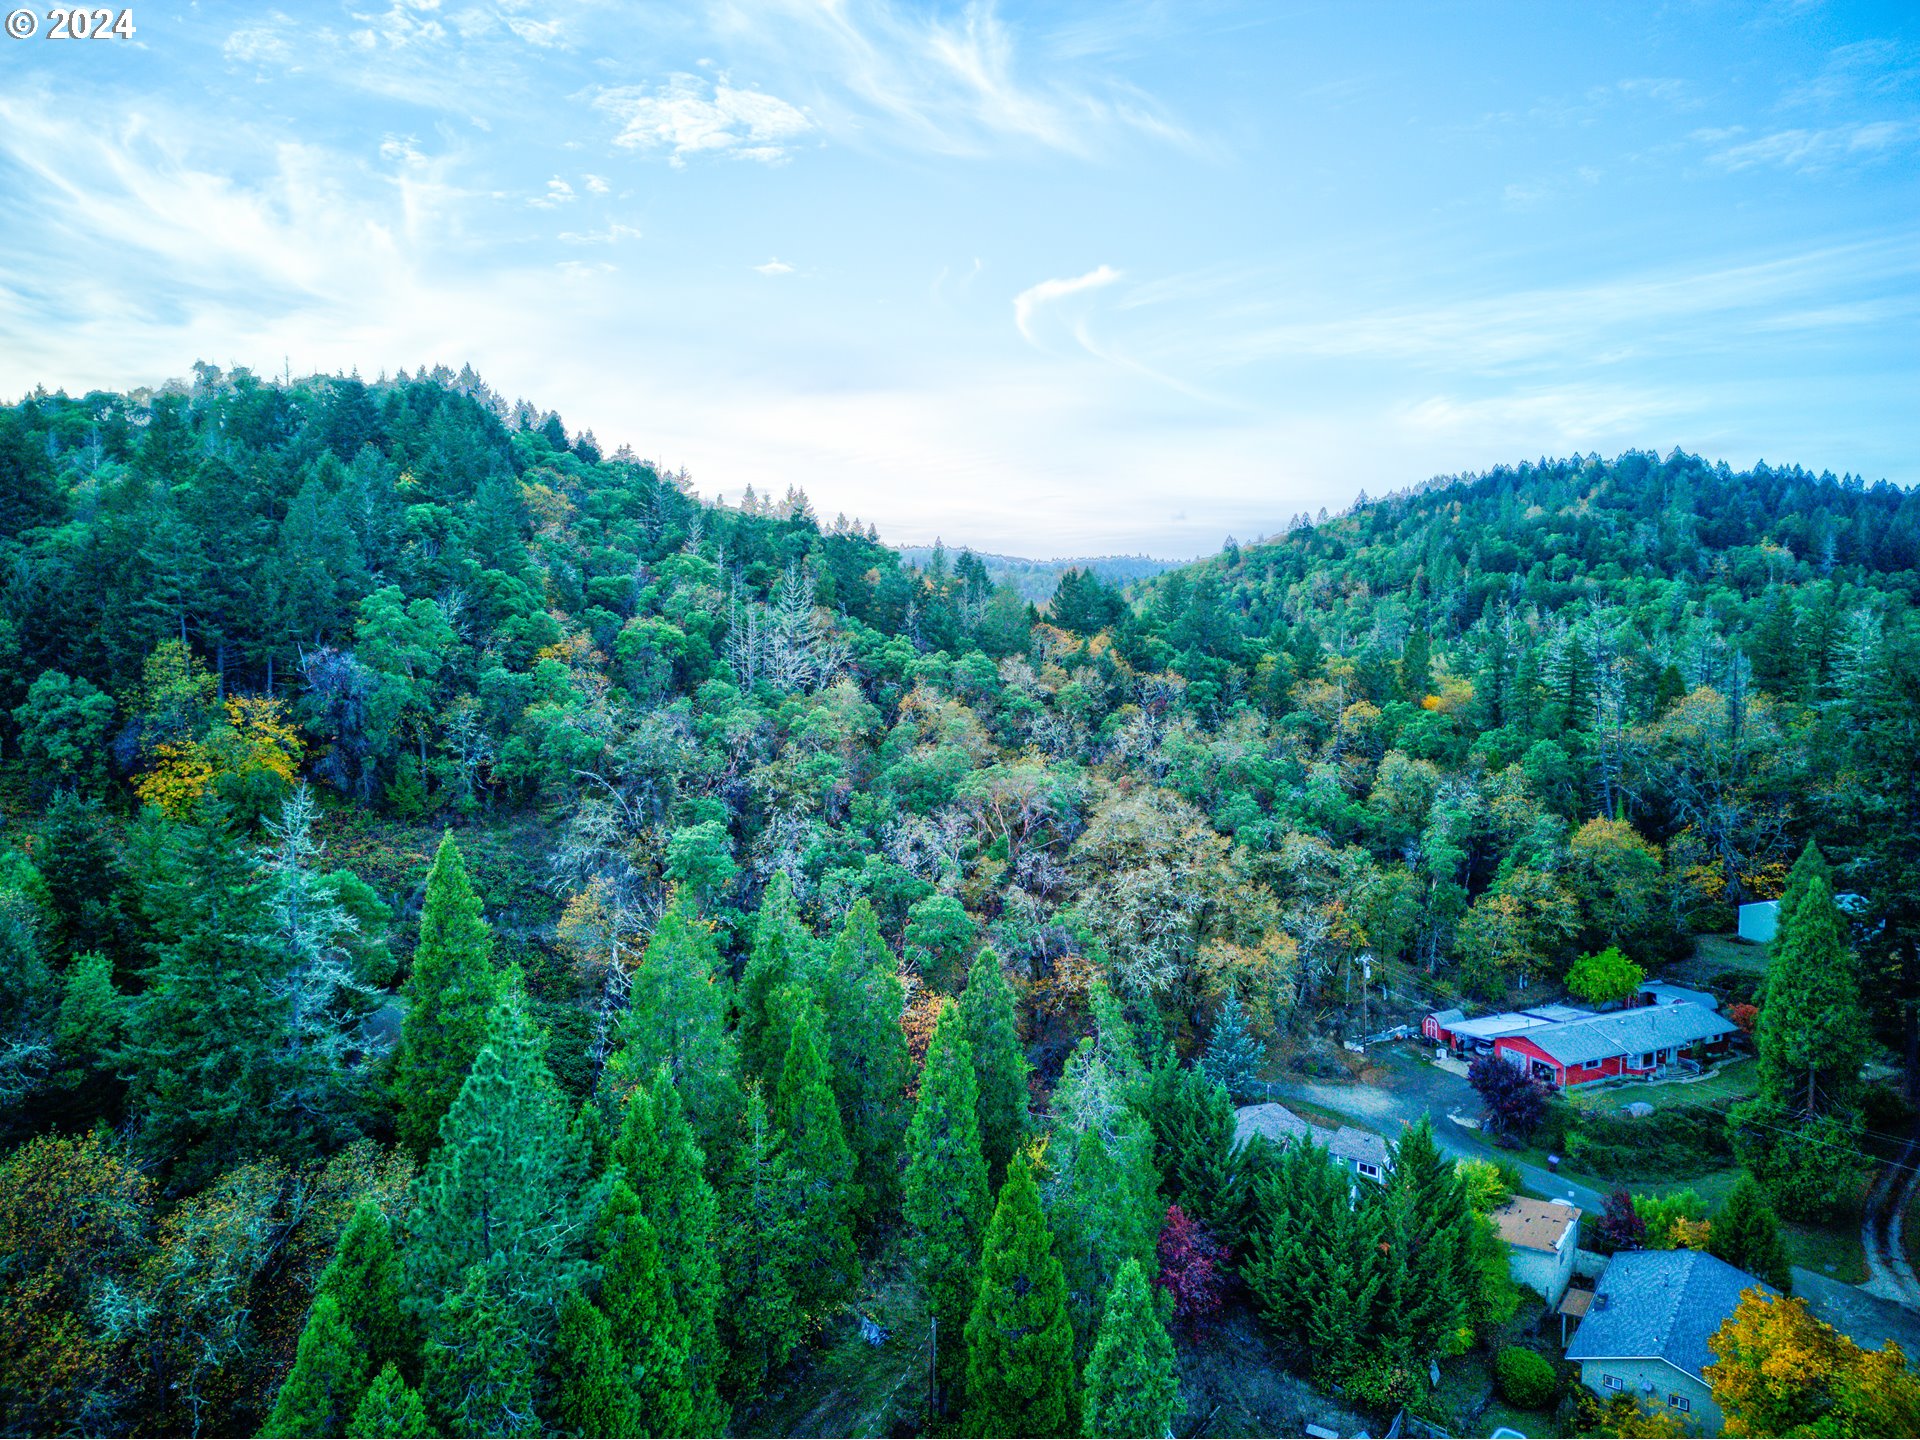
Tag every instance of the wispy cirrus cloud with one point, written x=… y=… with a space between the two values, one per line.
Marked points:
x=1811 y=151
x=1027 y=304
x=690 y=115
x=954 y=82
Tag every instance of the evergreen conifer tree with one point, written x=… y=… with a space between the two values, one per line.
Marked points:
x=1812 y=1033
x=1133 y=1385
x=663 y=1165
x=676 y=1016
x=999 y=1062
x=1314 y=1259
x=479 y=1369
x=808 y=1124
x=1102 y=1197
x=1193 y=1146
x=507 y=1190
x=761 y=1238
x=646 y=1328
x=1429 y=1280
x=781 y=955
x=595 y=1390
x=452 y=992
x=861 y=991
x=392 y=1410
x=1233 y=1056
x=206 y=1035
x=1800 y=1135
x=946 y=1188
x=1746 y=1236
x=328 y=1378
x=364 y=1278
x=1020 y=1376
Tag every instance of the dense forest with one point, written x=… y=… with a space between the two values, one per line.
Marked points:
x=495 y=945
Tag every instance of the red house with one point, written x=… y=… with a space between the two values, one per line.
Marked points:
x=1645 y=1041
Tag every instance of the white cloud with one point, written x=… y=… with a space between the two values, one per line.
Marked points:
x=775 y=267
x=950 y=85
x=558 y=192
x=259 y=44
x=1028 y=301
x=690 y=115
x=597 y=186
x=612 y=234
x=1813 y=150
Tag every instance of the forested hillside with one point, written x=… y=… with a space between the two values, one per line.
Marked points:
x=579 y=933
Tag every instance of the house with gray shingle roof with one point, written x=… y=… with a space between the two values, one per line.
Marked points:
x=1646 y=1329
x=1360 y=1151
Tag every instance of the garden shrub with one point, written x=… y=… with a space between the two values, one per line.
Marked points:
x=1526 y=1378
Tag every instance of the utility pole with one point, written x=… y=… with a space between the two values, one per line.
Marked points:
x=933 y=1369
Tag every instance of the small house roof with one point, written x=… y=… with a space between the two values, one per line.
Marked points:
x=1497 y=1027
x=1272 y=1121
x=1576 y=1302
x=1631 y=1032
x=1359 y=1145
x=1447 y=1019
x=1664 y=993
x=1532 y=1224
x=1661 y=1304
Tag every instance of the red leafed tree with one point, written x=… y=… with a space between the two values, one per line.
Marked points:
x=1190 y=1268
x=1745 y=1017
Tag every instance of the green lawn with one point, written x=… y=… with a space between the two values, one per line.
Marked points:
x=1832 y=1250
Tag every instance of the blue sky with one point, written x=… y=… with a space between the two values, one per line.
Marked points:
x=1042 y=279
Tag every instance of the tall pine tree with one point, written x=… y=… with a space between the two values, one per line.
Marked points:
x=999 y=1063
x=664 y=1167
x=206 y=1038
x=392 y=1410
x=1020 y=1377
x=479 y=1369
x=1233 y=1056
x=676 y=1016
x=507 y=1193
x=451 y=996
x=327 y=1382
x=1314 y=1259
x=867 y=1050
x=1133 y=1385
x=645 y=1327
x=761 y=1238
x=946 y=1199
x=810 y=1139
x=594 y=1383
x=781 y=955
x=1429 y=1278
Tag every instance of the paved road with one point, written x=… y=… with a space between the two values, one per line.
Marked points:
x=1413 y=1088
x=1869 y=1319
x=1889 y=1272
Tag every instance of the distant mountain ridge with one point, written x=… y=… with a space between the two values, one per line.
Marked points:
x=1035 y=579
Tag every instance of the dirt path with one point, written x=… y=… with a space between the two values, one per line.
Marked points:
x=1889 y=1273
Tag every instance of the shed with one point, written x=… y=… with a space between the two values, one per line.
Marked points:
x=1542 y=1238
x=1759 y=921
